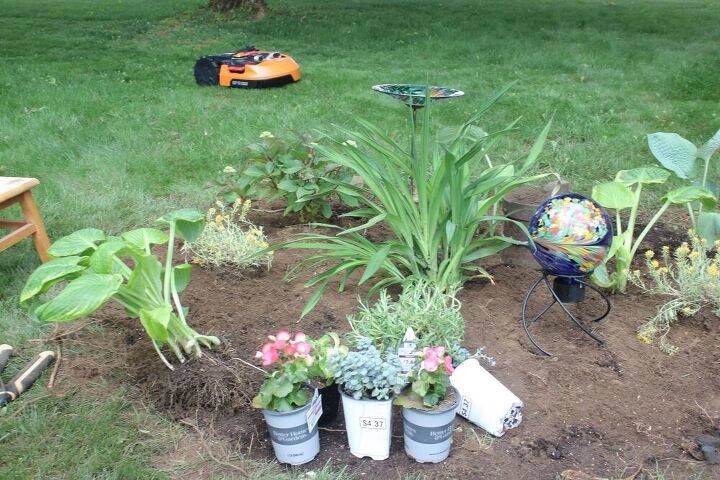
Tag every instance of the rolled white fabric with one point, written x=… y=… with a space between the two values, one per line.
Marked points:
x=485 y=401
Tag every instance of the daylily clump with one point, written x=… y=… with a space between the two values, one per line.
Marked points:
x=287 y=387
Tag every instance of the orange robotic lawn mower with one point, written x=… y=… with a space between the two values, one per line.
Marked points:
x=247 y=68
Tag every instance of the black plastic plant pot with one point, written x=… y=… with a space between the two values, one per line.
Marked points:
x=330 y=404
x=569 y=289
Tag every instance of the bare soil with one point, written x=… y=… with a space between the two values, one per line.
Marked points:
x=615 y=409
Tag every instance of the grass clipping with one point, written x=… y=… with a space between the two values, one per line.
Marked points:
x=229 y=239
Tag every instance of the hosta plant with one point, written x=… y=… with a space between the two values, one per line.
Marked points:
x=430 y=379
x=688 y=278
x=681 y=157
x=94 y=268
x=286 y=387
x=625 y=194
x=274 y=168
x=368 y=373
x=437 y=201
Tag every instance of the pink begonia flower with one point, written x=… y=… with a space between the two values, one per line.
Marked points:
x=269 y=358
x=267 y=347
x=283 y=335
x=448 y=365
x=429 y=352
x=302 y=349
x=289 y=349
x=430 y=364
x=300 y=337
x=440 y=351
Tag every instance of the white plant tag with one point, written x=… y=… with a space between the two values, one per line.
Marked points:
x=315 y=410
x=465 y=407
x=373 y=423
x=407 y=351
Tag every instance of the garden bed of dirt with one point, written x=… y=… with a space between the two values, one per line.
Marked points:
x=616 y=409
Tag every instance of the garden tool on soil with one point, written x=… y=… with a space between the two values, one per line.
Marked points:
x=247 y=68
x=25 y=378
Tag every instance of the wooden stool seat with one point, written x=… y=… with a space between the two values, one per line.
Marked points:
x=17 y=190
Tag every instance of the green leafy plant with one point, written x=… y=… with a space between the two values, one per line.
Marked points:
x=368 y=373
x=99 y=267
x=625 y=193
x=229 y=239
x=274 y=168
x=430 y=382
x=323 y=348
x=286 y=388
x=439 y=230
x=434 y=316
x=689 y=277
x=681 y=157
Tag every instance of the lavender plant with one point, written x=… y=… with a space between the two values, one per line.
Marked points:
x=368 y=373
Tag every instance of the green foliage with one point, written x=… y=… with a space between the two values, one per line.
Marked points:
x=619 y=195
x=229 y=238
x=368 y=373
x=323 y=348
x=439 y=230
x=433 y=315
x=274 y=168
x=100 y=267
x=688 y=277
x=681 y=156
x=430 y=382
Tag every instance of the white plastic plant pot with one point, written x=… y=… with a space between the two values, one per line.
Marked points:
x=291 y=439
x=485 y=401
x=428 y=433
x=369 y=426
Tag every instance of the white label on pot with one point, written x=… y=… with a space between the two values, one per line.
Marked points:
x=407 y=351
x=373 y=423
x=315 y=410
x=465 y=406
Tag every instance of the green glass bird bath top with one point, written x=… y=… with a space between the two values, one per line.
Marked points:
x=415 y=95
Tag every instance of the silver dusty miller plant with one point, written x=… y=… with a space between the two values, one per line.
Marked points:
x=367 y=373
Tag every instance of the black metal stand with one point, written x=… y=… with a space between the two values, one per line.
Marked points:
x=564 y=290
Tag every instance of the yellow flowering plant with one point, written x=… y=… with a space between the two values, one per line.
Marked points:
x=229 y=238
x=688 y=276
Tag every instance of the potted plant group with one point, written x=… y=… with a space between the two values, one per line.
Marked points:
x=368 y=380
x=429 y=405
x=286 y=398
x=323 y=377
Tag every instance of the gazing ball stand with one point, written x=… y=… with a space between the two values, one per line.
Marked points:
x=571 y=235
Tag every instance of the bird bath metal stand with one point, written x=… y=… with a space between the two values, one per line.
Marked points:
x=571 y=236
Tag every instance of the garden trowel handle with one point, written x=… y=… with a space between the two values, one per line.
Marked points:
x=26 y=377
x=5 y=352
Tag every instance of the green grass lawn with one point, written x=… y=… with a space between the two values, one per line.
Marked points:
x=98 y=101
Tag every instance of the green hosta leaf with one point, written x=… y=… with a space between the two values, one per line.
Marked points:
x=710 y=147
x=48 y=274
x=144 y=237
x=181 y=275
x=156 y=321
x=189 y=222
x=691 y=194
x=613 y=195
x=77 y=243
x=80 y=298
x=674 y=153
x=601 y=277
x=708 y=226
x=146 y=281
x=101 y=261
x=647 y=174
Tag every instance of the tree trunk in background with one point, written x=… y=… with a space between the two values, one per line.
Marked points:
x=258 y=6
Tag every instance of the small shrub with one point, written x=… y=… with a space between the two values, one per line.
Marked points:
x=229 y=239
x=689 y=277
x=274 y=168
x=368 y=373
x=433 y=315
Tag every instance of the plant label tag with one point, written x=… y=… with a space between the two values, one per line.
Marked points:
x=315 y=410
x=465 y=407
x=407 y=351
x=373 y=423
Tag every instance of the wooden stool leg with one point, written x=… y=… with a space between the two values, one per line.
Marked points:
x=32 y=215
